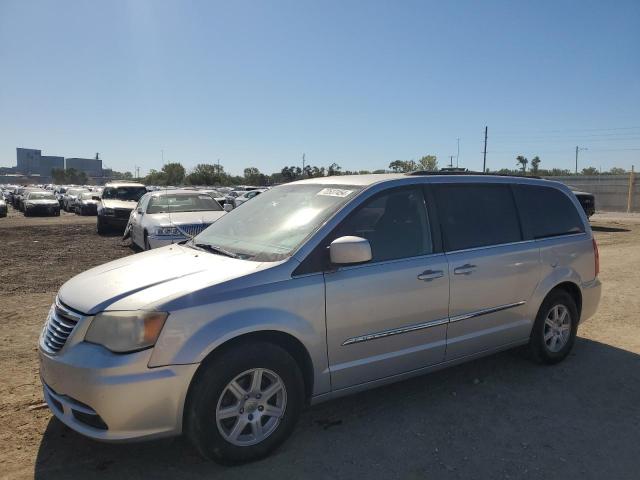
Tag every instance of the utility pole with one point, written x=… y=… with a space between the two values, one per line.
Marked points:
x=450 y=161
x=218 y=169
x=458 y=154
x=303 y=160
x=578 y=149
x=484 y=154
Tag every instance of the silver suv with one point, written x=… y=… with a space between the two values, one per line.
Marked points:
x=313 y=290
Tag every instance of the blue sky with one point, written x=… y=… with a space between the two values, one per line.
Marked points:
x=360 y=83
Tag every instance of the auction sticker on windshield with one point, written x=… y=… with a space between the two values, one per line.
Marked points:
x=334 y=192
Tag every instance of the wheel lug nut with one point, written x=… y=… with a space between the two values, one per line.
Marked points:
x=242 y=410
x=258 y=396
x=246 y=397
x=260 y=408
x=250 y=417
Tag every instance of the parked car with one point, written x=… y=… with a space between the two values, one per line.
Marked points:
x=217 y=195
x=41 y=202
x=21 y=194
x=117 y=201
x=59 y=193
x=87 y=203
x=587 y=200
x=3 y=207
x=240 y=199
x=162 y=218
x=70 y=198
x=317 y=289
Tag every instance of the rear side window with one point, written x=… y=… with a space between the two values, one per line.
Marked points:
x=546 y=212
x=477 y=215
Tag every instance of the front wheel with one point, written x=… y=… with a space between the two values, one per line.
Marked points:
x=554 y=331
x=244 y=403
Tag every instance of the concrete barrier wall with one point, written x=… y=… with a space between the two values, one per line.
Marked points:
x=610 y=190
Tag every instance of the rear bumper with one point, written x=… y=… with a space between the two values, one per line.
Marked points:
x=114 y=397
x=591 y=292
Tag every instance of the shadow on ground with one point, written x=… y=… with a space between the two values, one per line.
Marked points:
x=598 y=228
x=499 y=417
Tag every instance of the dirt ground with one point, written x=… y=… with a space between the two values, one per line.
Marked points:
x=499 y=417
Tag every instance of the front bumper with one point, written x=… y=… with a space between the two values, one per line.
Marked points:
x=113 y=221
x=43 y=210
x=114 y=397
x=157 y=241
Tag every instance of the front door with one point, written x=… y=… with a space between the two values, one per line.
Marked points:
x=388 y=316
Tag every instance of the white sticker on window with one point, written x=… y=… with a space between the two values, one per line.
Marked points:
x=334 y=192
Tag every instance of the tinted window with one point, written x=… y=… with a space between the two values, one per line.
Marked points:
x=395 y=224
x=477 y=215
x=546 y=211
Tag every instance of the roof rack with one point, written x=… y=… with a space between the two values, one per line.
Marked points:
x=469 y=172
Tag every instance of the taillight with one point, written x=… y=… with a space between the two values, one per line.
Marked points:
x=596 y=256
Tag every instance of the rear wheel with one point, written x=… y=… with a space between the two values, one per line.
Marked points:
x=554 y=331
x=147 y=245
x=245 y=403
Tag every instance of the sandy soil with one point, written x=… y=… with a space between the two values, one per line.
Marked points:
x=499 y=417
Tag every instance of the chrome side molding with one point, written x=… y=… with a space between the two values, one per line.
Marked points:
x=395 y=331
x=432 y=323
x=485 y=311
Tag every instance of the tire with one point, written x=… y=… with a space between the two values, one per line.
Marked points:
x=554 y=306
x=210 y=389
x=147 y=245
x=101 y=227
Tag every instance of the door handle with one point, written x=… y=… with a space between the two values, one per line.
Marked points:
x=465 y=269
x=429 y=275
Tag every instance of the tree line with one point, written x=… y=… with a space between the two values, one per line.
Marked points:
x=174 y=173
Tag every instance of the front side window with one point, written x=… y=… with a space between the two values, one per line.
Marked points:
x=547 y=211
x=476 y=215
x=273 y=226
x=394 y=222
x=182 y=203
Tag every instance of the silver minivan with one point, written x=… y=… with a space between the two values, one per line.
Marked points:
x=313 y=290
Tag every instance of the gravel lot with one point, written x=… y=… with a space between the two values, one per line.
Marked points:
x=499 y=417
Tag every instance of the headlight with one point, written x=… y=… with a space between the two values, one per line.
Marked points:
x=107 y=211
x=126 y=331
x=168 y=231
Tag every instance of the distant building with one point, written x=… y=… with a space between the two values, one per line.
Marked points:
x=48 y=163
x=28 y=160
x=90 y=166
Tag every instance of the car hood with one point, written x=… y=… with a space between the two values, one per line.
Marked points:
x=147 y=279
x=114 y=203
x=185 y=218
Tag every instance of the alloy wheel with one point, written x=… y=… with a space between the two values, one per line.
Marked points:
x=557 y=328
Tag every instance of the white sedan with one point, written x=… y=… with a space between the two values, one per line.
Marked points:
x=164 y=217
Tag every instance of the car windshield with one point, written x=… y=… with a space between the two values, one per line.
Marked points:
x=88 y=195
x=131 y=194
x=41 y=196
x=200 y=202
x=273 y=225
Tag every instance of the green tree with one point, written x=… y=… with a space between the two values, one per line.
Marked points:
x=174 y=173
x=523 y=162
x=428 y=163
x=590 y=171
x=535 y=164
x=617 y=171
x=397 y=166
x=59 y=176
x=334 y=169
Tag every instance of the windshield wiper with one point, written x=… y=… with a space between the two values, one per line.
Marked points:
x=215 y=249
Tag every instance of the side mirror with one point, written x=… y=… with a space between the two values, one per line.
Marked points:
x=347 y=250
x=228 y=207
x=140 y=211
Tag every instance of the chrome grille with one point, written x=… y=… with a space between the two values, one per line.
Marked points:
x=59 y=325
x=192 y=229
